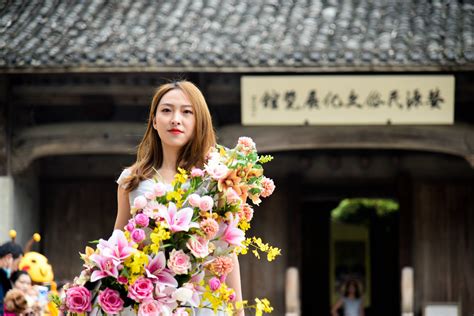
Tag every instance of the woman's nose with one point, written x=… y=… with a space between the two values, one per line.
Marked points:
x=176 y=118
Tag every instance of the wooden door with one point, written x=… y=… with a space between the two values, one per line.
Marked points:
x=444 y=243
x=73 y=212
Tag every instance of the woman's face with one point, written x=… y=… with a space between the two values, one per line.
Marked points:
x=352 y=288
x=174 y=119
x=23 y=283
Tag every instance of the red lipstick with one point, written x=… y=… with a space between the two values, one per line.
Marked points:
x=175 y=131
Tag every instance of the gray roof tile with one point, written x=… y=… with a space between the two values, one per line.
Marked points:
x=214 y=34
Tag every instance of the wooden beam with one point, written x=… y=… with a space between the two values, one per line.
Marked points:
x=122 y=138
x=457 y=140
x=73 y=139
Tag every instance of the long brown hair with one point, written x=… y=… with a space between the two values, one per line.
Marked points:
x=150 y=150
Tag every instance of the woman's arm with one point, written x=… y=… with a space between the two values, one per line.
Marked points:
x=336 y=307
x=123 y=208
x=233 y=280
x=361 y=311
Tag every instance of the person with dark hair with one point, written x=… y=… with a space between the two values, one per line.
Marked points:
x=21 y=280
x=10 y=256
x=351 y=301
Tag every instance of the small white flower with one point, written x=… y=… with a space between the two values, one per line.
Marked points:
x=182 y=294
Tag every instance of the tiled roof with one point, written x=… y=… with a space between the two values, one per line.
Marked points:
x=236 y=34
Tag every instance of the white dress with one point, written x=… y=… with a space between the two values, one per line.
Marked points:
x=143 y=187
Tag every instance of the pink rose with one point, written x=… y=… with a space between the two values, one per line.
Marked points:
x=232 y=297
x=194 y=200
x=217 y=170
x=179 y=262
x=180 y=311
x=150 y=195
x=199 y=246
x=159 y=189
x=268 y=187
x=214 y=283
x=196 y=172
x=141 y=289
x=78 y=299
x=142 y=220
x=206 y=203
x=110 y=301
x=138 y=235
x=152 y=308
x=140 y=202
x=130 y=226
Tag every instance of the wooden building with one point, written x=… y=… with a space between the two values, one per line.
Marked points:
x=76 y=81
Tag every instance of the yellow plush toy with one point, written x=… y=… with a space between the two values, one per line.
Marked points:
x=41 y=273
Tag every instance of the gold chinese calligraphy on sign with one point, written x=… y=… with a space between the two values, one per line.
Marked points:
x=347 y=100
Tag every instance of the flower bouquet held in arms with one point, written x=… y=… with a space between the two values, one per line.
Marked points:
x=176 y=250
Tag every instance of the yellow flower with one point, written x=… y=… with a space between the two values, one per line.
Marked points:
x=255 y=252
x=263 y=305
x=242 y=250
x=244 y=225
x=240 y=304
x=222 y=152
x=137 y=263
x=272 y=253
x=159 y=234
x=180 y=177
x=173 y=195
x=85 y=256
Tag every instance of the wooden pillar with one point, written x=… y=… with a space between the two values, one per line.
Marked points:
x=293 y=216
x=405 y=197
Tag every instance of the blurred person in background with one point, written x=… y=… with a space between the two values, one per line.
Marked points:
x=21 y=280
x=10 y=256
x=351 y=301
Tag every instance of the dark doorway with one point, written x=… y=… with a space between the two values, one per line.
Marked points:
x=75 y=211
x=315 y=257
x=383 y=247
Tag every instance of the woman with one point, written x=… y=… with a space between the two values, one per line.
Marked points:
x=179 y=134
x=351 y=301
x=21 y=280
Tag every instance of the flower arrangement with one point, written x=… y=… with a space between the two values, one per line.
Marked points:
x=176 y=251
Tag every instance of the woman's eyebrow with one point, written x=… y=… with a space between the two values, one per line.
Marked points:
x=170 y=104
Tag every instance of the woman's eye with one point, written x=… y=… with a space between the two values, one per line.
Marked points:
x=188 y=112
x=165 y=110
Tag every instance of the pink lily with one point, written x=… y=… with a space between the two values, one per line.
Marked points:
x=156 y=270
x=107 y=265
x=193 y=283
x=117 y=247
x=163 y=295
x=233 y=235
x=178 y=220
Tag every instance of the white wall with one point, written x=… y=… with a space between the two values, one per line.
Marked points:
x=19 y=206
